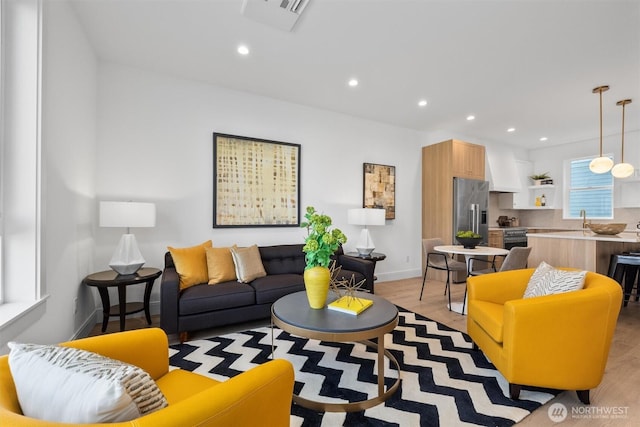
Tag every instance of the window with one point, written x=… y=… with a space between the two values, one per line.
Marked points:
x=21 y=298
x=586 y=190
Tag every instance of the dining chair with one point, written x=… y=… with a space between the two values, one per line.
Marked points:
x=439 y=261
x=516 y=259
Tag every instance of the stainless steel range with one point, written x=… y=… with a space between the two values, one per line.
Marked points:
x=514 y=236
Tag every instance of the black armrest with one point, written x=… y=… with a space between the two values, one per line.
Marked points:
x=362 y=266
x=169 y=297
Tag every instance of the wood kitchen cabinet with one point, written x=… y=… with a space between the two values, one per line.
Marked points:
x=496 y=238
x=467 y=160
x=440 y=164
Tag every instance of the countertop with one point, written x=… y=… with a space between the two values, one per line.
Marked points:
x=624 y=237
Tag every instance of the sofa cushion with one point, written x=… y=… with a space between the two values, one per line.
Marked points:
x=248 y=263
x=283 y=259
x=191 y=264
x=204 y=298
x=490 y=317
x=70 y=385
x=269 y=288
x=220 y=265
x=547 y=280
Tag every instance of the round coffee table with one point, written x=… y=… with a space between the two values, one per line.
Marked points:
x=292 y=314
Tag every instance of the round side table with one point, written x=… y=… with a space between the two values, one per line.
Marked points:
x=109 y=279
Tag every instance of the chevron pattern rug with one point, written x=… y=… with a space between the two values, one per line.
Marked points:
x=444 y=381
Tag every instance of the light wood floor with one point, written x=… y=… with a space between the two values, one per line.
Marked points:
x=620 y=387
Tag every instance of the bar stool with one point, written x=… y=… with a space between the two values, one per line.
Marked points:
x=625 y=265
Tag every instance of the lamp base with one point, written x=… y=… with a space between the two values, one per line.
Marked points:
x=365 y=244
x=364 y=252
x=127 y=258
x=126 y=269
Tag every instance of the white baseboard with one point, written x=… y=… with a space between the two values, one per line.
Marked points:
x=398 y=275
x=96 y=319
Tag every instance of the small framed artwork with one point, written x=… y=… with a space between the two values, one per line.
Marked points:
x=256 y=182
x=380 y=188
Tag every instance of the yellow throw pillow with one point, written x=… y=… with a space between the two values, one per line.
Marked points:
x=248 y=263
x=220 y=265
x=191 y=264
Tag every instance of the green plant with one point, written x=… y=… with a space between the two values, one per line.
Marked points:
x=536 y=177
x=321 y=242
x=468 y=234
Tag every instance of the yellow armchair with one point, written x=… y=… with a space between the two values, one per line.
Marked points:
x=260 y=396
x=556 y=341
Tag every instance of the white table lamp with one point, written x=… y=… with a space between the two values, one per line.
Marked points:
x=366 y=217
x=127 y=258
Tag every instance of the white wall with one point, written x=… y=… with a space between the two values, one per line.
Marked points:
x=116 y=133
x=68 y=155
x=155 y=144
x=552 y=159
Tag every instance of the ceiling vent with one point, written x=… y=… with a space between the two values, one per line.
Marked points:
x=280 y=14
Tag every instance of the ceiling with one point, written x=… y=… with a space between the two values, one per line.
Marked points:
x=530 y=65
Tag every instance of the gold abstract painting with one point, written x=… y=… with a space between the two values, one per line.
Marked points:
x=256 y=182
x=380 y=188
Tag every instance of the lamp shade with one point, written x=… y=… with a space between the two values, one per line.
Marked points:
x=366 y=216
x=127 y=258
x=127 y=214
x=600 y=165
x=622 y=170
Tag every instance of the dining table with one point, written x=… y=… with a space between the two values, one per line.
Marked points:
x=461 y=307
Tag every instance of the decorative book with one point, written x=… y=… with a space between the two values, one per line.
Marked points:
x=350 y=305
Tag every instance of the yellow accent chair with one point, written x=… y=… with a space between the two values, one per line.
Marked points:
x=259 y=397
x=558 y=341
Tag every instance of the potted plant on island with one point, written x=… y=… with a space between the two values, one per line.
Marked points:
x=538 y=178
x=319 y=245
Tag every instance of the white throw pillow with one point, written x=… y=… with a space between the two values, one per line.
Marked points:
x=547 y=280
x=70 y=385
x=248 y=263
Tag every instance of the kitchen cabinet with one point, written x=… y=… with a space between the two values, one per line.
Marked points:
x=496 y=238
x=467 y=160
x=583 y=249
x=629 y=192
x=442 y=162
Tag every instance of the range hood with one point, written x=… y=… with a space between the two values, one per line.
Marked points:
x=503 y=175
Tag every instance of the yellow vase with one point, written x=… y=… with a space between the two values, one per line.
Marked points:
x=316 y=282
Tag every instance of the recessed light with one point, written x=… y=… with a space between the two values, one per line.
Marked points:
x=353 y=82
x=544 y=138
x=422 y=103
x=471 y=117
x=243 y=49
x=511 y=130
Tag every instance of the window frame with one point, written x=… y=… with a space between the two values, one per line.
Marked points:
x=567 y=188
x=23 y=297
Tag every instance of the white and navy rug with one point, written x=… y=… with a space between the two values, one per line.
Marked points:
x=444 y=381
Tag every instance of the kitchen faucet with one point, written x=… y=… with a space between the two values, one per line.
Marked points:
x=583 y=214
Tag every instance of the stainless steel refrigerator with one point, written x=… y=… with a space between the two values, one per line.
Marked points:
x=471 y=207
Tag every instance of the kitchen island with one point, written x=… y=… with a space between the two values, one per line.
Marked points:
x=579 y=249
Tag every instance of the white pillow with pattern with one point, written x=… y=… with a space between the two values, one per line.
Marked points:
x=547 y=280
x=70 y=385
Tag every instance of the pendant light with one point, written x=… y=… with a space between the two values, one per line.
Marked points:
x=600 y=164
x=622 y=169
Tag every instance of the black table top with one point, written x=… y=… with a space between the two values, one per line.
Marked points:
x=294 y=310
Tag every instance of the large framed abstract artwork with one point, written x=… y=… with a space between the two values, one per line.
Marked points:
x=380 y=188
x=256 y=182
